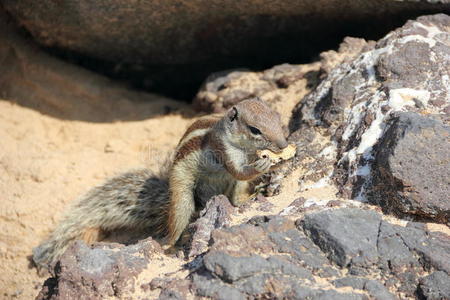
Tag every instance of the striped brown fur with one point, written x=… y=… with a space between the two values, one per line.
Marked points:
x=194 y=144
x=165 y=204
x=202 y=123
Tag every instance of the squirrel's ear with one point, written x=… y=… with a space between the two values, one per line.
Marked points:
x=233 y=114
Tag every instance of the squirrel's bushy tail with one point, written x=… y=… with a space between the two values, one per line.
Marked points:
x=137 y=200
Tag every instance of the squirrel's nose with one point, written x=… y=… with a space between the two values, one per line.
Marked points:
x=279 y=145
x=282 y=144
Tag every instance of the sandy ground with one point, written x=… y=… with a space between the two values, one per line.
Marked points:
x=46 y=163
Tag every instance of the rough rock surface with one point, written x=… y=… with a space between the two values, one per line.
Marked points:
x=318 y=256
x=281 y=87
x=336 y=234
x=183 y=32
x=279 y=258
x=215 y=215
x=222 y=90
x=356 y=105
x=98 y=272
x=347 y=51
x=435 y=286
x=411 y=171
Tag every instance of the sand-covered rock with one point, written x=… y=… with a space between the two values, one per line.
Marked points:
x=100 y=271
x=336 y=253
x=282 y=258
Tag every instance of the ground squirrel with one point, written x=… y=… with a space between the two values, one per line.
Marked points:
x=216 y=155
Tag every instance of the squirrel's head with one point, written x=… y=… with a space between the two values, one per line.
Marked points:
x=255 y=126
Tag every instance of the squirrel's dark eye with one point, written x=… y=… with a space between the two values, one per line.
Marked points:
x=254 y=130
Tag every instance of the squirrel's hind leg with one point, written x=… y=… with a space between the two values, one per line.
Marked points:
x=182 y=203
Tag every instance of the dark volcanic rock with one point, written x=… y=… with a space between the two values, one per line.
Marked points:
x=411 y=171
x=276 y=257
x=102 y=271
x=432 y=247
x=348 y=236
x=375 y=288
x=401 y=165
x=232 y=265
x=435 y=286
x=358 y=240
x=394 y=252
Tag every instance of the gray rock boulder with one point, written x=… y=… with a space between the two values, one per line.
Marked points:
x=411 y=170
x=104 y=270
x=349 y=237
x=435 y=286
x=275 y=257
x=404 y=168
x=375 y=288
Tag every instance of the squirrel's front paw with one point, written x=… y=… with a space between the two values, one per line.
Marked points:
x=262 y=165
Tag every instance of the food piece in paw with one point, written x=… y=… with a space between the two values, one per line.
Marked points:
x=276 y=158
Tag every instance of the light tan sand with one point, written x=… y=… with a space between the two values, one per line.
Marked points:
x=46 y=163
